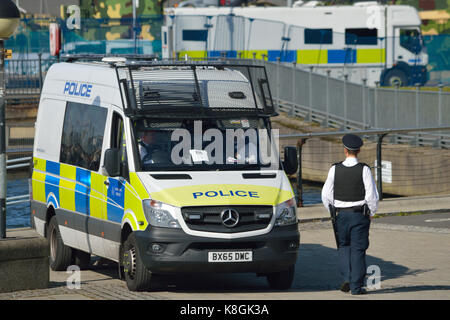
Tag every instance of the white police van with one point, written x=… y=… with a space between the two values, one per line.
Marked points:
x=133 y=162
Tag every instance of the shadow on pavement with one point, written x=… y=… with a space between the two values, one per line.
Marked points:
x=410 y=289
x=316 y=271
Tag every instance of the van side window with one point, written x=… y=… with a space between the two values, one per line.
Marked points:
x=118 y=141
x=361 y=36
x=318 y=36
x=195 y=35
x=82 y=136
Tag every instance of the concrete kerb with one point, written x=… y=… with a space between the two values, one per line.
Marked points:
x=24 y=263
x=391 y=206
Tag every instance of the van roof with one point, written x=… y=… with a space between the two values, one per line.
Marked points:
x=174 y=88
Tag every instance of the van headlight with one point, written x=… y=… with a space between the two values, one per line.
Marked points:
x=158 y=214
x=286 y=213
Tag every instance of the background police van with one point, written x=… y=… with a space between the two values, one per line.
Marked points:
x=367 y=40
x=92 y=193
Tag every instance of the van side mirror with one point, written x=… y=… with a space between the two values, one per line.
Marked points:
x=112 y=162
x=290 y=163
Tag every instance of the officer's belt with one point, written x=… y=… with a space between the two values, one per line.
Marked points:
x=355 y=208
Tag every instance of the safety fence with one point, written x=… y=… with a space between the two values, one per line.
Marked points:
x=341 y=104
x=356 y=53
x=24 y=77
x=404 y=170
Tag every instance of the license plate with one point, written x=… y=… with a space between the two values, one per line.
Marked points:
x=230 y=256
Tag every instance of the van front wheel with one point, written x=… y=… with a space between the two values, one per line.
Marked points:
x=137 y=276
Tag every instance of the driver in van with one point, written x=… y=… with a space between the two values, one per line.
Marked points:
x=147 y=146
x=150 y=148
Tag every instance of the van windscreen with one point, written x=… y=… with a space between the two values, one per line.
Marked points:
x=234 y=143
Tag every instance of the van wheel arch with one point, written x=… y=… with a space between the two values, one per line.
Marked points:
x=49 y=214
x=126 y=231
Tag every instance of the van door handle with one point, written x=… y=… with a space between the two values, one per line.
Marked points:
x=106 y=182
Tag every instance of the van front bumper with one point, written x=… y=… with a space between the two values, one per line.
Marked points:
x=183 y=253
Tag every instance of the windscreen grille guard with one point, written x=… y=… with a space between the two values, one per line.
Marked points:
x=194 y=90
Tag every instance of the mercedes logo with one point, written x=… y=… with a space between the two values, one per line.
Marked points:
x=230 y=218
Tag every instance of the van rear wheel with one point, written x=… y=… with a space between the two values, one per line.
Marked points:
x=81 y=259
x=281 y=280
x=137 y=276
x=60 y=254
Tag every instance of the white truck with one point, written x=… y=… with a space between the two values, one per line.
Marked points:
x=379 y=43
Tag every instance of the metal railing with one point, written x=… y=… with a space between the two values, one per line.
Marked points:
x=24 y=77
x=18 y=163
x=344 y=105
x=380 y=134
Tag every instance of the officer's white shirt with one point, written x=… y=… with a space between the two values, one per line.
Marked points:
x=371 y=197
x=143 y=152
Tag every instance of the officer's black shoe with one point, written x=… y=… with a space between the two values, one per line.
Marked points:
x=360 y=291
x=345 y=287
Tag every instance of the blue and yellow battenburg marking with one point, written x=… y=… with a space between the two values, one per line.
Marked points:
x=79 y=190
x=306 y=56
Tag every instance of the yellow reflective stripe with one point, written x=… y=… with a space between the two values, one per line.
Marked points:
x=312 y=56
x=134 y=194
x=132 y=220
x=248 y=54
x=226 y=194
x=134 y=204
x=68 y=171
x=192 y=54
x=136 y=183
x=38 y=186
x=67 y=194
x=97 y=201
x=39 y=164
x=67 y=185
x=370 y=55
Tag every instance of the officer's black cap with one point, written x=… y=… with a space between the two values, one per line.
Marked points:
x=352 y=142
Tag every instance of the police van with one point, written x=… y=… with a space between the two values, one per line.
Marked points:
x=133 y=162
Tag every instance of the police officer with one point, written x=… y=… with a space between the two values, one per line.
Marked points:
x=351 y=189
x=147 y=146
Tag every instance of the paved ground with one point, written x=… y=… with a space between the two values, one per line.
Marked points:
x=414 y=260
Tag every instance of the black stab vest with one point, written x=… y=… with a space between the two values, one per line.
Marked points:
x=348 y=182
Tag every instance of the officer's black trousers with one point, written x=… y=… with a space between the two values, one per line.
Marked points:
x=353 y=233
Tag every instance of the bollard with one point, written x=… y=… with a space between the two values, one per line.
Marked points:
x=375 y=102
x=380 y=166
x=363 y=100
x=40 y=71
x=2 y=167
x=441 y=86
x=310 y=98
x=293 y=89
x=300 y=144
x=2 y=147
x=345 y=102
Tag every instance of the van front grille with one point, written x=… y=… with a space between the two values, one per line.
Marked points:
x=211 y=218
